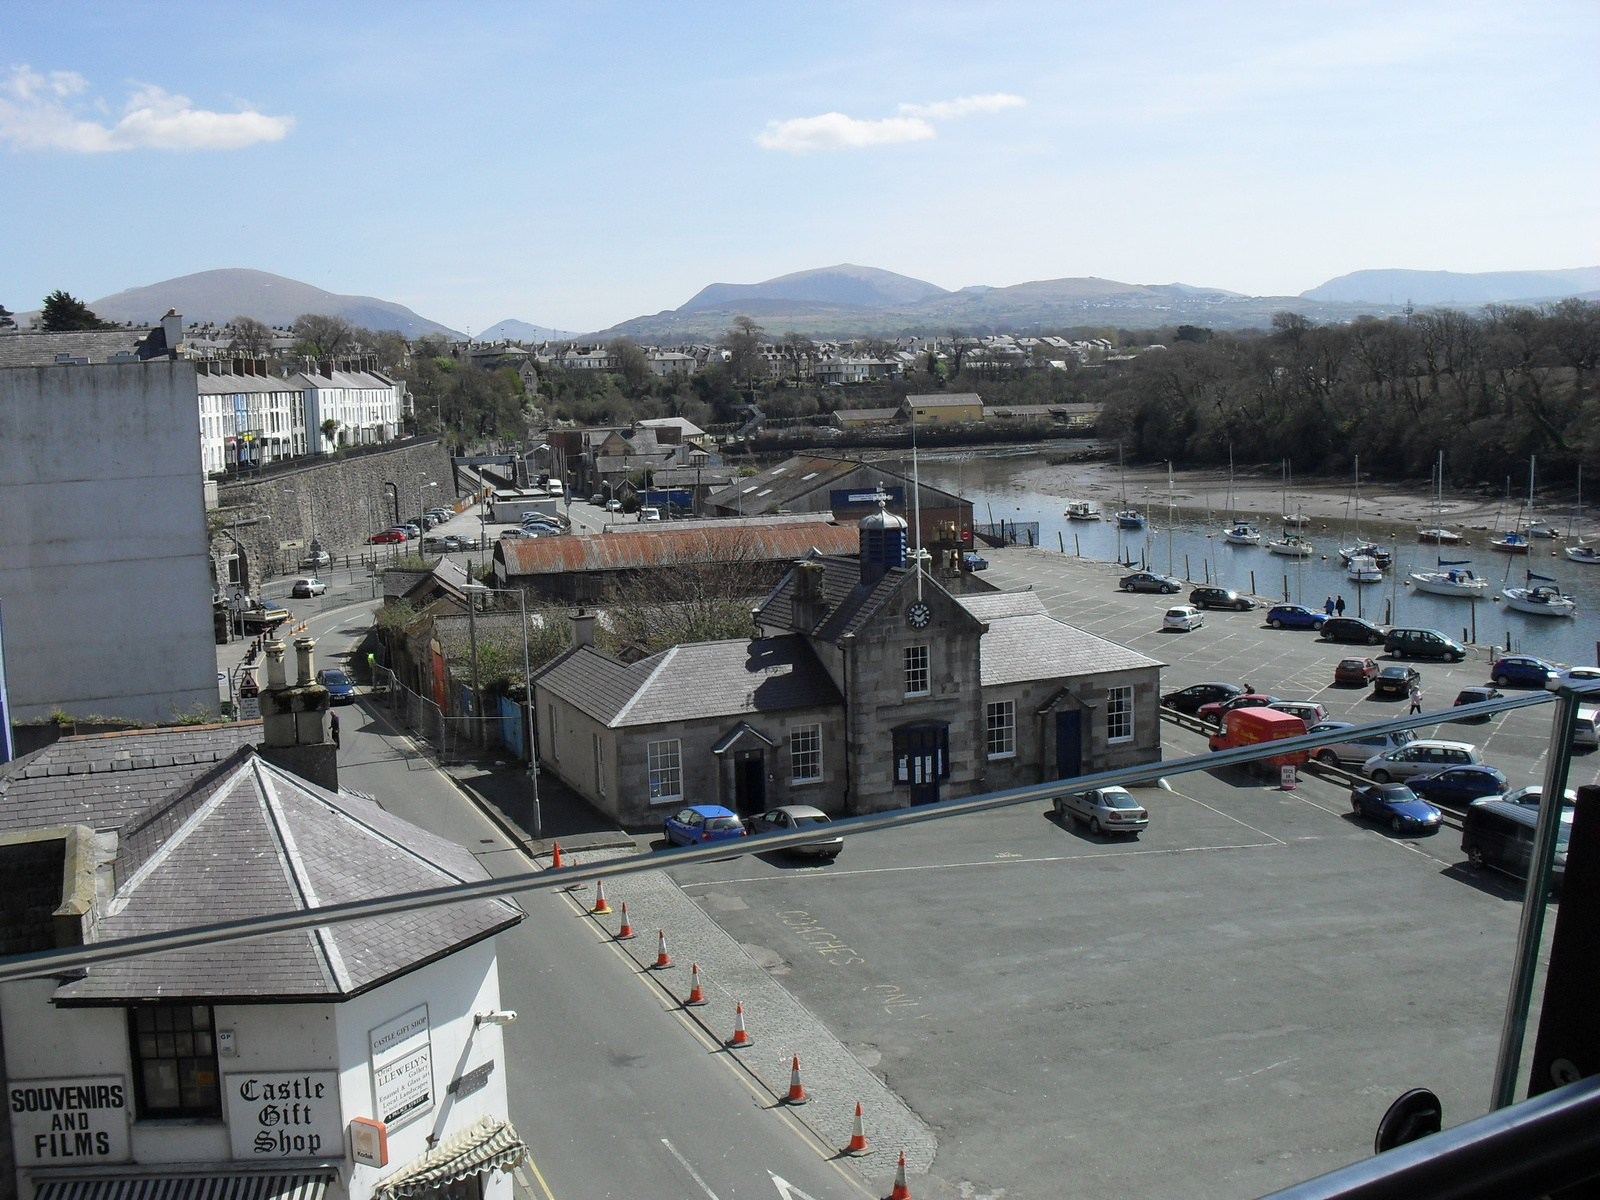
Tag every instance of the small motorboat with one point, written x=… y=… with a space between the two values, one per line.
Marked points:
x=1543 y=529
x=1543 y=599
x=1292 y=545
x=1241 y=534
x=1082 y=510
x=1363 y=568
x=1439 y=537
x=1370 y=550
x=1510 y=543
x=1451 y=579
x=1583 y=554
x=1130 y=518
x=1298 y=520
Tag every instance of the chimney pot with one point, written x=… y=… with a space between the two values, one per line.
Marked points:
x=303 y=648
x=275 y=675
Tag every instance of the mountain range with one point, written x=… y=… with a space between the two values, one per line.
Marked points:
x=1448 y=287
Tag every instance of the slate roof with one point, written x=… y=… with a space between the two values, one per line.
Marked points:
x=100 y=780
x=231 y=385
x=847 y=602
x=668 y=543
x=694 y=681
x=1023 y=642
x=41 y=349
x=866 y=414
x=255 y=839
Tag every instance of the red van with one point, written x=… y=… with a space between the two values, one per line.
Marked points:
x=1252 y=726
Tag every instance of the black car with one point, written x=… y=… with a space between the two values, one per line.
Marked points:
x=1351 y=629
x=1148 y=581
x=1189 y=699
x=1476 y=695
x=1395 y=680
x=1218 y=597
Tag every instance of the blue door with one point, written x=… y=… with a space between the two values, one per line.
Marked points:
x=1069 y=745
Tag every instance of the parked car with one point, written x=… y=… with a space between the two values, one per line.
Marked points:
x=1459 y=785
x=1500 y=835
x=1308 y=711
x=1531 y=796
x=310 y=586
x=789 y=817
x=1216 y=710
x=315 y=559
x=1421 y=757
x=1183 y=618
x=598 y=500
x=974 y=562
x=1294 y=616
x=1395 y=680
x=1189 y=699
x=1220 y=597
x=1580 y=674
x=1586 y=727
x=1522 y=670
x=1475 y=695
x=1351 y=629
x=388 y=535
x=613 y=505
x=1359 y=748
x=1396 y=805
x=514 y=534
x=410 y=529
x=1148 y=581
x=702 y=823
x=1423 y=643
x=1104 y=810
x=1356 y=672
x=340 y=689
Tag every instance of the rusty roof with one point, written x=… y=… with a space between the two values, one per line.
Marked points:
x=667 y=545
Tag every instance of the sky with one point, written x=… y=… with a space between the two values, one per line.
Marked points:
x=577 y=164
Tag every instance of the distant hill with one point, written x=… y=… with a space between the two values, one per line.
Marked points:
x=1449 y=287
x=511 y=330
x=237 y=291
x=861 y=287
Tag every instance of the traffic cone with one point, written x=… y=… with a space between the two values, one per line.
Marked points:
x=797 y=1093
x=555 y=859
x=858 y=1139
x=696 y=996
x=663 y=960
x=601 y=908
x=900 y=1191
x=740 y=1039
x=625 y=934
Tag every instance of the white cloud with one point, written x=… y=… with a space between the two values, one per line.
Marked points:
x=962 y=106
x=834 y=131
x=35 y=115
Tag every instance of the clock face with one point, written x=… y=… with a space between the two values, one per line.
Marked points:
x=918 y=615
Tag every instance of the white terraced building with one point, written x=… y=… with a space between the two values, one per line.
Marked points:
x=253 y=419
x=364 y=406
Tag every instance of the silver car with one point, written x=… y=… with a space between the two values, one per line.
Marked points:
x=1106 y=810
x=789 y=817
x=1357 y=750
x=1423 y=756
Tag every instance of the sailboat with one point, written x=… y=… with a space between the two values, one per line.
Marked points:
x=1240 y=533
x=1364 y=561
x=1582 y=552
x=1515 y=541
x=1543 y=599
x=1127 y=517
x=1439 y=535
x=1453 y=578
x=1290 y=545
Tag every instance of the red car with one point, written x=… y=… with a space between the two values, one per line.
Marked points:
x=1215 y=711
x=1355 y=671
x=388 y=535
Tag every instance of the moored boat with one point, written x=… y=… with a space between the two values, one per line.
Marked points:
x=1130 y=518
x=1292 y=545
x=1453 y=578
x=1545 y=599
x=1241 y=534
x=1583 y=554
x=1363 y=568
x=1082 y=510
x=1439 y=537
x=1511 y=542
x=1543 y=529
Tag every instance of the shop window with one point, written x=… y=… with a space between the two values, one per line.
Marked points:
x=174 y=1052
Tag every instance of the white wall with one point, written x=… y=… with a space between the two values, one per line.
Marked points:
x=104 y=570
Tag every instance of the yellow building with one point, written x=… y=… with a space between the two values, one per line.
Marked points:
x=944 y=408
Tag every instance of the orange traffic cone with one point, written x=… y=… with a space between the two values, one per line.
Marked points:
x=696 y=996
x=797 y=1093
x=555 y=856
x=625 y=934
x=601 y=908
x=740 y=1038
x=663 y=960
x=858 y=1139
x=901 y=1191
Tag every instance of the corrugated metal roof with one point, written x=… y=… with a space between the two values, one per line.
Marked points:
x=668 y=545
x=945 y=400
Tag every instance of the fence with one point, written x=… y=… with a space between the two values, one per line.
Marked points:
x=450 y=736
x=1009 y=533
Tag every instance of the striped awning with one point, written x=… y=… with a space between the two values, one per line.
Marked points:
x=243 y=1185
x=480 y=1147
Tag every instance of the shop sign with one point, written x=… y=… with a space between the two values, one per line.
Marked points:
x=69 y=1122
x=402 y=1068
x=284 y=1114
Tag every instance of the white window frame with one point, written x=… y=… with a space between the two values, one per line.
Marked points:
x=1119 y=715
x=913 y=670
x=808 y=757
x=1000 y=728
x=664 y=766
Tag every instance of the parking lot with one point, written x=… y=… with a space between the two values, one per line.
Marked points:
x=1219 y=1008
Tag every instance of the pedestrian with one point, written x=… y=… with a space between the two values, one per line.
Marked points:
x=333 y=724
x=1338 y=606
x=1327 y=606
x=1416 y=697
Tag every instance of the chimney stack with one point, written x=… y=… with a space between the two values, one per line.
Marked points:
x=582 y=628
x=294 y=717
x=172 y=331
x=806 y=605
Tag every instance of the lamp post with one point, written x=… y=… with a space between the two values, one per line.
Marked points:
x=420 y=513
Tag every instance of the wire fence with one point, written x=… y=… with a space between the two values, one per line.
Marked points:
x=450 y=736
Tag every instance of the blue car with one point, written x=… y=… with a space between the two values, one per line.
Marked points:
x=702 y=823
x=1396 y=805
x=1522 y=670
x=1459 y=785
x=340 y=689
x=1295 y=616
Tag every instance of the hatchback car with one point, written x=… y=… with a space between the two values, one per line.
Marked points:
x=1395 y=680
x=1294 y=616
x=1531 y=796
x=1351 y=629
x=1183 y=618
x=1358 y=749
x=1189 y=699
x=1475 y=695
x=1219 y=597
x=316 y=558
x=1104 y=810
x=1149 y=581
x=1522 y=670
x=340 y=689
x=1421 y=757
x=388 y=535
x=1459 y=785
x=1580 y=675
x=598 y=500
x=702 y=823
x=1308 y=711
x=1217 y=710
x=1355 y=672
x=789 y=817
x=974 y=562
x=1396 y=805
x=311 y=586
x=613 y=505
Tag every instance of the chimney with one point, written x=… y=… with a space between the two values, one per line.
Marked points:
x=172 y=331
x=294 y=717
x=582 y=628
x=325 y=367
x=806 y=605
x=261 y=366
x=238 y=366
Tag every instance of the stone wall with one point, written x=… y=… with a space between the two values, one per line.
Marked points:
x=342 y=499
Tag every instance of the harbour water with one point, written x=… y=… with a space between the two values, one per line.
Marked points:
x=1024 y=488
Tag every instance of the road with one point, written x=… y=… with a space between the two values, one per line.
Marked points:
x=615 y=1092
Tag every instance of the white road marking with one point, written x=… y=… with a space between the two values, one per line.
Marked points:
x=1220 y=813
x=787 y=1190
x=684 y=1163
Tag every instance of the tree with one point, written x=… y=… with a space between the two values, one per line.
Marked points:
x=64 y=313
x=631 y=362
x=743 y=343
x=1192 y=333
x=322 y=336
x=801 y=352
x=250 y=336
x=7 y=318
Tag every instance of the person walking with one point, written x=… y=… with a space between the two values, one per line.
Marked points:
x=1338 y=606
x=333 y=725
x=1327 y=606
x=1416 y=697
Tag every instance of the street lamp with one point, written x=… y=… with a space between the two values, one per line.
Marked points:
x=420 y=487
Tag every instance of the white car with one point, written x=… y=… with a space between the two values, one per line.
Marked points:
x=1422 y=757
x=512 y=534
x=649 y=514
x=1183 y=618
x=613 y=505
x=1105 y=810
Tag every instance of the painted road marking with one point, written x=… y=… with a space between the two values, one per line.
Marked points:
x=693 y=1174
x=787 y=1190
